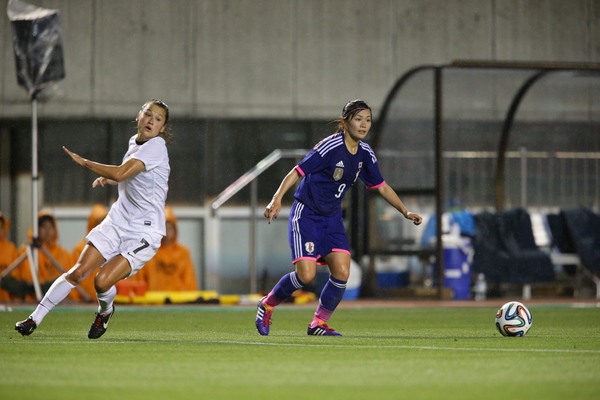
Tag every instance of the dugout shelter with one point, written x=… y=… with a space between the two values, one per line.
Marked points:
x=480 y=135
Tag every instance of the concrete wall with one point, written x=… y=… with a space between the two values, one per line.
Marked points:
x=282 y=58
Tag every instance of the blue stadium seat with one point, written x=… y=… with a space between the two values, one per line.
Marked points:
x=560 y=234
x=529 y=264
x=583 y=226
x=561 y=240
x=505 y=249
x=489 y=258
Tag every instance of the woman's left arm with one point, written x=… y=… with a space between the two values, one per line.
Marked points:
x=392 y=198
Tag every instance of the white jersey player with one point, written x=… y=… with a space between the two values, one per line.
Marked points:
x=131 y=233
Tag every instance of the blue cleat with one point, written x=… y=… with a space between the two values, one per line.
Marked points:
x=321 y=329
x=263 y=317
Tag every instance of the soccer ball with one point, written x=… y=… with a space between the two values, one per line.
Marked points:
x=513 y=319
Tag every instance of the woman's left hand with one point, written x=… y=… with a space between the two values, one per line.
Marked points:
x=101 y=181
x=416 y=218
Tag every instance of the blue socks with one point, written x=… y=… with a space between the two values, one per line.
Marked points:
x=284 y=289
x=330 y=298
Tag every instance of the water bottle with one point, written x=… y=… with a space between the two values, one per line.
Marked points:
x=480 y=287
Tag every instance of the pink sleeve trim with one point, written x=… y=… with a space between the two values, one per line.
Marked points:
x=300 y=170
x=376 y=186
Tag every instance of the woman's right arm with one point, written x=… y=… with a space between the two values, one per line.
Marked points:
x=112 y=173
x=103 y=181
x=273 y=208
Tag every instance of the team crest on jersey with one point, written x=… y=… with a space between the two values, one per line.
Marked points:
x=358 y=172
x=310 y=247
x=338 y=174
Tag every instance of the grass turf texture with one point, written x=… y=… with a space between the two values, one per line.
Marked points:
x=385 y=353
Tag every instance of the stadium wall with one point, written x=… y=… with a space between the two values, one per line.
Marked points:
x=282 y=59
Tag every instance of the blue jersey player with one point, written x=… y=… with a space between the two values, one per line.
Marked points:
x=316 y=230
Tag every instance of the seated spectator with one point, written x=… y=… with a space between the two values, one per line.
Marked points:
x=8 y=254
x=47 y=271
x=172 y=267
x=97 y=215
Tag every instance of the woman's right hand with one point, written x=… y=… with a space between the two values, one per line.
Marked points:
x=75 y=157
x=272 y=209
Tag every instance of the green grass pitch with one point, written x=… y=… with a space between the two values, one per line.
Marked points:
x=211 y=352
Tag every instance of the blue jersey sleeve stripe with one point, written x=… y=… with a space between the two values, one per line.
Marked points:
x=368 y=148
x=328 y=146
x=330 y=143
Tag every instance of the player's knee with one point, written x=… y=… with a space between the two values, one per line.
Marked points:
x=343 y=274
x=342 y=277
x=101 y=284
x=74 y=276
x=101 y=288
x=306 y=276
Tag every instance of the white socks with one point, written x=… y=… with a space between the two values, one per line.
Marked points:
x=61 y=289
x=106 y=299
x=57 y=292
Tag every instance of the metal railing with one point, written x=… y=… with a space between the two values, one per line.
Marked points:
x=240 y=183
x=535 y=179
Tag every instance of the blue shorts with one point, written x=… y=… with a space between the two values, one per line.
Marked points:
x=312 y=236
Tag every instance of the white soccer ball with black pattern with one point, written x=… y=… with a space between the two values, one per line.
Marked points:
x=513 y=319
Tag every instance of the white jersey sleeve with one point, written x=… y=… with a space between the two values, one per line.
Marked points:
x=142 y=197
x=151 y=154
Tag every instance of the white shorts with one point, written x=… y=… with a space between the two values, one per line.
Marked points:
x=137 y=247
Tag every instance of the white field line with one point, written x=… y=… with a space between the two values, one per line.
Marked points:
x=317 y=345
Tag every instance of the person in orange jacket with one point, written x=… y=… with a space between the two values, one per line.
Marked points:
x=47 y=271
x=8 y=254
x=171 y=269
x=96 y=216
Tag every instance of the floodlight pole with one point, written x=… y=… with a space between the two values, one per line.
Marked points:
x=439 y=179
x=34 y=198
x=31 y=250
